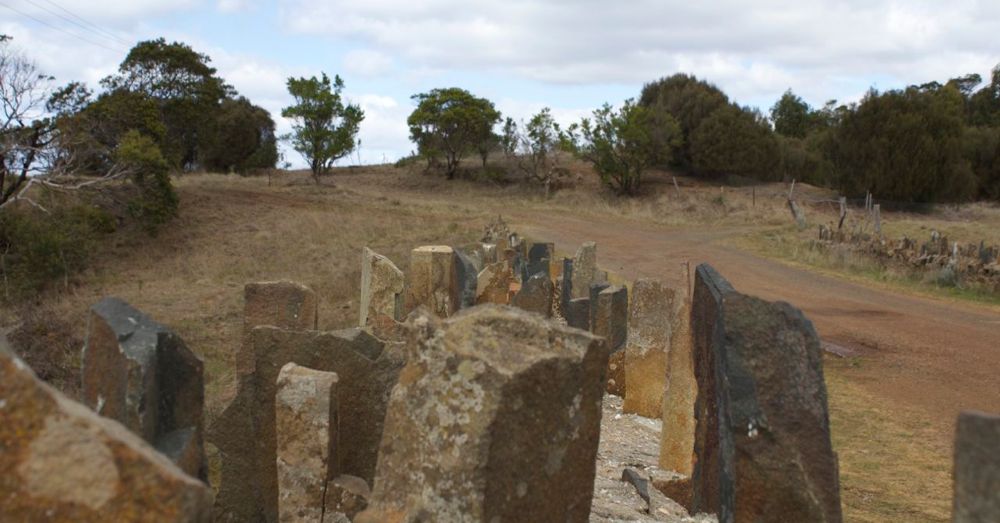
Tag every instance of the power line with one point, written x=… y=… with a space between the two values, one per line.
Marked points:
x=83 y=20
x=60 y=29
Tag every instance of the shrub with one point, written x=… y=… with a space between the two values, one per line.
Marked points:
x=156 y=202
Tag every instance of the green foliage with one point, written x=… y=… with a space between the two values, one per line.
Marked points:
x=982 y=150
x=617 y=143
x=666 y=135
x=156 y=202
x=791 y=116
x=39 y=248
x=451 y=122
x=184 y=87
x=903 y=145
x=689 y=100
x=241 y=138
x=534 y=146
x=324 y=128
x=735 y=141
x=984 y=105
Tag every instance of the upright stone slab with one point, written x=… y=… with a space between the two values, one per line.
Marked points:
x=490 y=253
x=566 y=284
x=677 y=434
x=609 y=319
x=496 y=417
x=539 y=256
x=766 y=455
x=367 y=370
x=284 y=304
x=141 y=374
x=305 y=414
x=494 y=284
x=434 y=280
x=59 y=461
x=468 y=281
x=977 y=468
x=577 y=314
x=536 y=295
x=652 y=316
x=381 y=291
x=584 y=269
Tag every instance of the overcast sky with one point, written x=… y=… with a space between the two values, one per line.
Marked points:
x=523 y=55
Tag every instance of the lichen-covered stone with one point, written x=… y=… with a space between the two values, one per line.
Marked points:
x=577 y=313
x=434 y=281
x=609 y=319
x=763 y=441
x=651 y=320
x=141 y=374
x=977 y=468
x=536 y=295
x=540 y=255
x=496 y=417
x=305 y=413
x=381 y=291
x=584 y=269
x=677 y=435
x=467 y=269
x=283 y=304
x=494 y=284
x=366 y=368
x=346 y=496
x=59 y=461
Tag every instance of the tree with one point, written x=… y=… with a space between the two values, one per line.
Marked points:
x=184 y=86
x=734 y=140
x=534 y=146
x=156 y=202
x=241 y=138
x=617 y=143
x=791 y=116
x=904 y=145
x=686 y=98
x=450 y=122
x=324 y=129
x=24 y=135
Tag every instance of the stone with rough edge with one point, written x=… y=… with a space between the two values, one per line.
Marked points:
x=577 y=314
x=367 y=369
x=59 y=461
x=496 y=417
x=609 y=319
x=283 y=304
x=977 y=468
x=433 y=281
x=467 y=273
x=584 y=269
x=141 y=374
x=494 y=284
x=771 y=458
x=677 y=436
x=535 y=295
x=381 y=290
x=566 y=286
x=346 y=496
x=539 y=256
x=651 y=320
x=305 y=415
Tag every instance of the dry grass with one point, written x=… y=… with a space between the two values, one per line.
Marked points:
x=893 y=465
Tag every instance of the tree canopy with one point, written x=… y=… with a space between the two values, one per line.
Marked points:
x=324 y=128
x=617 y=143
x=450 y=122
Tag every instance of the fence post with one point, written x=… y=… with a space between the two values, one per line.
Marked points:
x=876 y=210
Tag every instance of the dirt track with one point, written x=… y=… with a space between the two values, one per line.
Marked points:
x=934 y=355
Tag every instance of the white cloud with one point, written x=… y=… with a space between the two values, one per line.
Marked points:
x=752 y=50
x=367 y=63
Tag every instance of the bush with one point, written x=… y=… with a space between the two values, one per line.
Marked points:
x=156 y=202
x=735 y=141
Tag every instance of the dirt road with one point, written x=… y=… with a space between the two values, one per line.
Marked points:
x=930 y=354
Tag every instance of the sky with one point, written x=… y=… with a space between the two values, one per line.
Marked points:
x=571 y=56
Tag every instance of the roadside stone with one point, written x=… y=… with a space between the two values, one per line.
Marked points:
x=494 y=284
x=284 y=304
x=609 y=319
x=536 y=295
x=381 y=291
x=770 y=452
x=466 y=272
x=60 y=461
x=578 y=313
x=584 y=269
x=651 y=318
x=434 y=280
x=677 y=436
x=489 y=251
x=141 y=374
x=540 y=255
x=496 y=417
x=977 y=468
x=566 y=286
x=674 y=486
x=366 y=368
x=305 y=416
x=346 y=496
